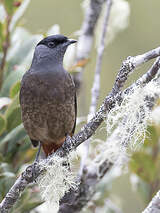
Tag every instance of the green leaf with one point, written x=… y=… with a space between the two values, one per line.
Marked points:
x=9 y=6
x=1 y=157
x=7 y=178
x=30 y=205
x=14 y=118
x=16 y=135
x=26 y=49
x=157 y=165
x=5 y=184
x=144 y=190
x=19 y=36
x=5 y=167
x=1 y=36
x=13 y=140
x=152 y=137
x=7 y=175
x=143 y=165
x=15 y=89
x=28 y=201
x=12 y=78
x=2 y=124
x=13 y=114
x=22 y=47
x=12 y=105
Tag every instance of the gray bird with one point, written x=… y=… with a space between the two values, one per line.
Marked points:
x=48 y=96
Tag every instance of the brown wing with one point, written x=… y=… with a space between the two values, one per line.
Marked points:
x=75 y=102
x=22 y=90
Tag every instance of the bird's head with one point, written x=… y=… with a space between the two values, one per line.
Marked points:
x=53 y=47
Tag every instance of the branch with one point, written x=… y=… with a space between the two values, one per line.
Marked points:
x=100 y=50
x=85 y=39
x=146 y=77
x=21 y=183
x=96 y=83
x=74 y=201
x=154 y=205
x=71 y=143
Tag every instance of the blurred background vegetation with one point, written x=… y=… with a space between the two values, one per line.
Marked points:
x=21 y=27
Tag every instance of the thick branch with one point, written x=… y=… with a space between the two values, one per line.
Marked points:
x=21 y=183
x=87 y=131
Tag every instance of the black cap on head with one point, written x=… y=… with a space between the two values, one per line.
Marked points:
x=54 y=40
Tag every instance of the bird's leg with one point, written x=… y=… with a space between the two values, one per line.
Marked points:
x=38 y=152
x=36 y=160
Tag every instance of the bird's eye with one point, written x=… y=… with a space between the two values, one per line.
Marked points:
x=51 y=44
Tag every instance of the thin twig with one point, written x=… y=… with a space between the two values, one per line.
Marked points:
x=96 y=83
x=100 y=50
x=34 y=170
x=85 y=40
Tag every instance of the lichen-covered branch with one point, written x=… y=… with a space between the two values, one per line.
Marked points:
x=75 y=200
x=154 y=205
x=21 y=183
x=87 y=131
x=134 y=62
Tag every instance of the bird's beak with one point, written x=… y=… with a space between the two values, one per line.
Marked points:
x=71 y=41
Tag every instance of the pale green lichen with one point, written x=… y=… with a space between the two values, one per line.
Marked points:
x=57 y=179
x=132 y=116
x=127 y=125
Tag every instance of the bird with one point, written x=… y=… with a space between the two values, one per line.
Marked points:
x=48 y=96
